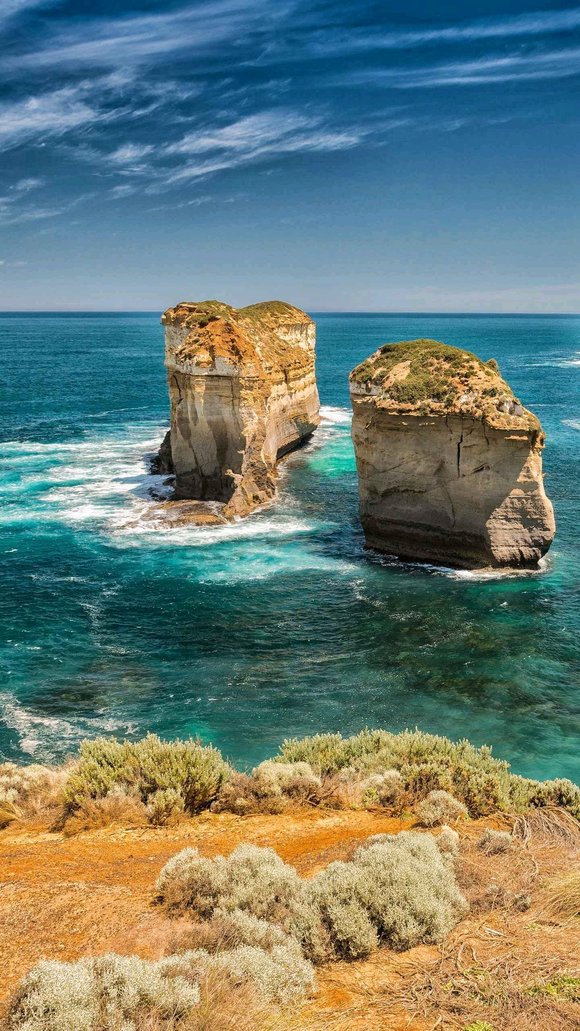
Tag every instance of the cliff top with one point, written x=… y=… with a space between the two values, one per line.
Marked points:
x=258 y=335
x=427 y=377
x=192 y=313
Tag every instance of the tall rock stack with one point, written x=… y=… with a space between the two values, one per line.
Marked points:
x=449 y=462
x=243 y=393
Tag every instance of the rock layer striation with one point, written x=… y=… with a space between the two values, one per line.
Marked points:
x=449 y=462
x=243 y=393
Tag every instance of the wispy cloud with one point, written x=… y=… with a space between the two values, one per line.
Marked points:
x=331 y=40
x=48 y=114
x=554 y=64
x=134 y=39
x=9 y=9
x=248 y=139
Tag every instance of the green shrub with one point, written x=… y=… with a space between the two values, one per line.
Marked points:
x=480 y=1025
x=427 y=763
x=107 y=993
x=192 y=771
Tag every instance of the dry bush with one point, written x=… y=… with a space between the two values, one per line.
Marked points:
x=223 y=1006
x=448 y=842
x=107 y=993
x=440 y=807
x=29 y=790
x=397 y=890
x=494 y=842
x=239 y=795
x=115 y=808
x=225 y=931
x=251 y=879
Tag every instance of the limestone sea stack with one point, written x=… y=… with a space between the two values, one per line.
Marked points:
x=449 y=462
x=243 y=393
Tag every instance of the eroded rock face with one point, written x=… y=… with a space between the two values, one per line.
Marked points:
x=449 y=462
x=243 y=393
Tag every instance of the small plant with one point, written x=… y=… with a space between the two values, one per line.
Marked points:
x=479 y=1025
x=494 y=842
x=440 y=807
x=563 y=987
x=448 y=842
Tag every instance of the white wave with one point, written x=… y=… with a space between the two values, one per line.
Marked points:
x=335 y=416
x=43 y=736
x=574 y=424
x=480 y=575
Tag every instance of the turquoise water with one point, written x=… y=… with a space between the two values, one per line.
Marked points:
x=280 y=625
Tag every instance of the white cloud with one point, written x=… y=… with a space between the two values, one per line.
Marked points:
x=554 y=64
x=256 y=136
x=540 y=23
x=129 y=153
x=134 y=39
x=47 y=114
x=10 y=8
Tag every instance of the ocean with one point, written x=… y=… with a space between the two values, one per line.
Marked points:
x=281 y=625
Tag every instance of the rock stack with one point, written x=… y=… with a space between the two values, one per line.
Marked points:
x=243 y=393
x=449 y=462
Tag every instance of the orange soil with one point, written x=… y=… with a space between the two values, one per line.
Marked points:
x=63 y=898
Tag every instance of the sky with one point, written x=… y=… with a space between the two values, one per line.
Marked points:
x=401 y=155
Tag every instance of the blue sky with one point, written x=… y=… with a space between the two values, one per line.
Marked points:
x=387 y=156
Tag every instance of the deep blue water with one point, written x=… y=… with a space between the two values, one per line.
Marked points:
x=280 y=625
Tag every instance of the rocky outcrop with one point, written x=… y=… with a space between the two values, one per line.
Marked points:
x=449 y=462
x=243 y=394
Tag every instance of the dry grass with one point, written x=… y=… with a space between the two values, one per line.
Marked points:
x=116 y=808
x=560 y=898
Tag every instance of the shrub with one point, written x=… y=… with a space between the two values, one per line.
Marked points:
x=382 y=788
x=270 y=788
x=493 y=842
x=106 y=993
x=398 y=890
x=560 y=897
x=448 y=842
x=225 y=931
x=428 y=762
x=252 y=879
x=280 y=975
x=192 y=771
x=296 y=780
x=25 y=789
x=440 y=807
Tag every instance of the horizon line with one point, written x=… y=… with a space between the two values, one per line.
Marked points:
x=313 y=311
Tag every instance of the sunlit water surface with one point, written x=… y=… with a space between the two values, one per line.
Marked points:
x=281 y=625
